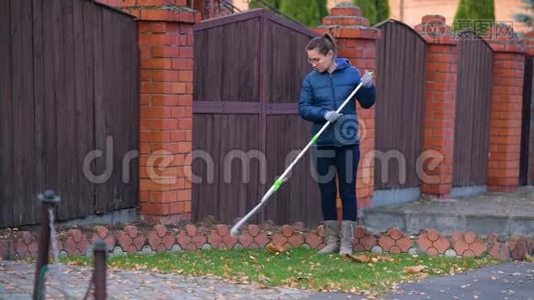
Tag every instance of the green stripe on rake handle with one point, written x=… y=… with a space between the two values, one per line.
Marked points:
x=315 y=138
x=278 y=183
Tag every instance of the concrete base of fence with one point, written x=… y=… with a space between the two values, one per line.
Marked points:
x=157 y=238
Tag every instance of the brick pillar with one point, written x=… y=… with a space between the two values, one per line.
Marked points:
x=440 y=104
x=506 y=109
x=358 y=44
x=166 y=74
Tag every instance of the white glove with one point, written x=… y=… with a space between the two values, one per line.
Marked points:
x=367 y=79
x=332 y=116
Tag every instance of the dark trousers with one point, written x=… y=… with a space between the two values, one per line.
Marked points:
x=341 y=163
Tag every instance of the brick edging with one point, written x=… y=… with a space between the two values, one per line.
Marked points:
x=159 y=238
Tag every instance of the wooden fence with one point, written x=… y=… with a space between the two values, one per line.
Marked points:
x=68 y=80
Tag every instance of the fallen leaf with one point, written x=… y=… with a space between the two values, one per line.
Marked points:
x=386 y=258
x=362 y=259
x=415 y=269
x=370 y=259
x=275 y=249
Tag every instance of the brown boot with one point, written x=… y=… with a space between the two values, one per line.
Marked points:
x=332 y=237
x=347 y=237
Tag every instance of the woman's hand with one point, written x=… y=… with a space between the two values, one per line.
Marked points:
x=367 y=79
x=332 y=116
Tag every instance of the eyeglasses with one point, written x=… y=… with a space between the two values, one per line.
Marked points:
x=315 y=60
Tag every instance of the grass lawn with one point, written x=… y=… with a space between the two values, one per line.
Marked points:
x=300 y=267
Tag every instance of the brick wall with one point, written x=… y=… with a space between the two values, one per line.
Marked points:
x=166 y=100
x=358 y=44
x=160 y=238
x=440 y=102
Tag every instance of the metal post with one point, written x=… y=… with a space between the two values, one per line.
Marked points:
x=99 y=275
x=48 y=201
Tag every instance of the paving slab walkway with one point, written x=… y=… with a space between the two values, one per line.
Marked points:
x=506 y=281
x=505 y=214
x=16 y=282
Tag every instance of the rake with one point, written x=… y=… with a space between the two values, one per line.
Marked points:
x=282 y=179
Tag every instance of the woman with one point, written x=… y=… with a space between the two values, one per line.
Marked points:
x=337 y=151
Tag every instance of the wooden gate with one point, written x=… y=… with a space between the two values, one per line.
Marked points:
x=473 y=102
x=248 y=72
x=68 y=79
x=401 y=65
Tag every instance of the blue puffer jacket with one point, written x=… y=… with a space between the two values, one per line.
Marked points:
x=322 y=92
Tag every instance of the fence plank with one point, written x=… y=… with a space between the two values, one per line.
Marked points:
x=132 y=111
x=66 y=116
x=526 y=165
x=22 y=88
x=61 y=109
x=6 y=117
x=30 y=206
x=83 y=110
x=48 y=155
x=99 y=94
x=401 y=64
x=107 y=195
x=90 y=15
x=17 y=108
x=39 y=94
x=473 y=97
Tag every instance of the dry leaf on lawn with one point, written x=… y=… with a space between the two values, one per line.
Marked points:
x=362 y=259
x=415 y=269
x=275 y=249
x=386 y=259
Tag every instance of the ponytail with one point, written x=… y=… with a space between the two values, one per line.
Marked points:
x=323 y=44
